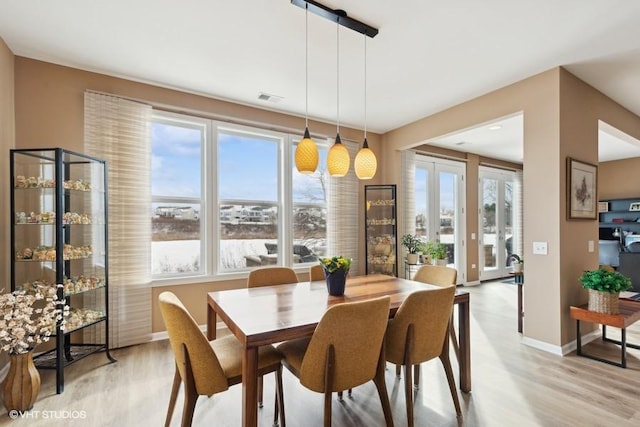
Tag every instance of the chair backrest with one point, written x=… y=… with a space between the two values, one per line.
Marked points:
x=356 y=332
x=184 y=332
x=268 y=276
x=438 y=275
x=316 y=272
x=429 y=312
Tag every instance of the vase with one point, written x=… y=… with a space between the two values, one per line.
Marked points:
x=604 y=302
x=22 y=384
x=412 y=258
x=336 y=282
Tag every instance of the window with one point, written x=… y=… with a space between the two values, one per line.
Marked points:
x=228 y=198
x=177 y=198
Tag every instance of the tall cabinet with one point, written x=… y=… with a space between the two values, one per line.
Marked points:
x=59 y=237
x=380 y=230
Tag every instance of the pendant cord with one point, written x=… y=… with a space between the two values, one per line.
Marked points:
x=306 y=68
x=338 y=76
x=365 y=87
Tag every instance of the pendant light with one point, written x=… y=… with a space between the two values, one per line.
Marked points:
x=365 y=163
x=338 y=159
x=306 y=156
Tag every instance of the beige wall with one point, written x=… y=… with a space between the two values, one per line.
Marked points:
x=7 y=140
x=49 y=113
x=560 y=121
x=619 y=179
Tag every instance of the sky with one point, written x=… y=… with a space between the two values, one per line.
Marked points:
x=247 y=165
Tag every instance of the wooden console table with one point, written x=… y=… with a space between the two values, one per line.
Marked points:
x=629 y=314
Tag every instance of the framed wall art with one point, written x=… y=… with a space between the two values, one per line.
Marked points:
x=582 y=179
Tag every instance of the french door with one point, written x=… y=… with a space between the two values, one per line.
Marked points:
x=439 y=205
x=497 y=237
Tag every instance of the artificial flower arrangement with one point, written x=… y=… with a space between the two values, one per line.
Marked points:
x=25 y=323
x=335 y=263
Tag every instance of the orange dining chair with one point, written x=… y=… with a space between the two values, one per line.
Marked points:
x=440 y=276
x=269 y=276
x=346 y=350
x=316 y=272
x=209 y=367
x=418 y=333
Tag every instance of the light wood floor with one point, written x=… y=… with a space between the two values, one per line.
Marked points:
x=513 y=385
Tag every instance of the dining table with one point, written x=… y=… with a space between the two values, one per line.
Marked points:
x=271 y=314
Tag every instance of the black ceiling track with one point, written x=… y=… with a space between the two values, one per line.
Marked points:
x=338 y=15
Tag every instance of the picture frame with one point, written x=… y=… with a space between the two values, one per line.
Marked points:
x=582 y=198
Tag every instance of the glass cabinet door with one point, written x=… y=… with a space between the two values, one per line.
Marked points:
x=380 y=226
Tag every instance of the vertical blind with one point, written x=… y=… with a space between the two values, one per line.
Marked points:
x=342 y=229
x=119 y=131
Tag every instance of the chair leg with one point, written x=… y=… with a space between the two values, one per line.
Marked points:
x=382 y=389
x=416 y=376
x=327 y=408
x=340 y=396
x=190 y=392
x=260 y=382
x=279 y=409
x=446 y=364
x=398 y=371
x=175 y=388
x=408 y=392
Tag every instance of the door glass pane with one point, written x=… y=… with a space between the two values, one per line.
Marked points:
x=447 y=213
x=421 y=197
x=489 y=229
x=508 y=221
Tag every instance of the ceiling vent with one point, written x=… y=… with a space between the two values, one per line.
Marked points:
x=270 y=98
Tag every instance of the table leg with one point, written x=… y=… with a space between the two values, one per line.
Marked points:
x=578 y=339
x=464 y=341
x=520 y=313
x=211 y=323
x=250 y=387
x=623 y=347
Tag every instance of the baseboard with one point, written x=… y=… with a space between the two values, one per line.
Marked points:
x=560 y=350
x=473 y=283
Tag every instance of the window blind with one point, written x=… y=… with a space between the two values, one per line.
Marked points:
x=119 y=131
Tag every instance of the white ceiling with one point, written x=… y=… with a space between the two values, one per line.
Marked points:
x=429 y=55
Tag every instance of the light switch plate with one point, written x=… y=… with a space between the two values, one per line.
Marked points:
x=591 y=246
x=539 y=248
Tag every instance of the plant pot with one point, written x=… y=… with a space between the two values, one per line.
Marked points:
x=442 y=262
x=22 y=384
x=516 y=267
x=412 y=258
x=604 y=302
x=336 y=282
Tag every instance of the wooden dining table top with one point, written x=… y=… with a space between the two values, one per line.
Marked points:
x=264 y=315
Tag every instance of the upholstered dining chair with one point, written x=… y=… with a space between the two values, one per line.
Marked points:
x=440 y=276
x=418 y=333
x=316 y=272
x=206 y=367
x=346 y=350
x=269 y=276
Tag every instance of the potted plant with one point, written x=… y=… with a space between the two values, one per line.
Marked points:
x=604 y=288
x=437 y=252
x=517 y=263
x=412 y=244
x=336 y=270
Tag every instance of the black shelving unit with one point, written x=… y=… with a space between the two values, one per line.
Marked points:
x=381 y=238
x=59 y=236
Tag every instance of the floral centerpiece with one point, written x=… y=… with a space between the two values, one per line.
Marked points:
x=26 y=320
x=25 y=323
x=336 y=270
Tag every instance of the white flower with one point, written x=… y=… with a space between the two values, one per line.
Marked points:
x=23 y=326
